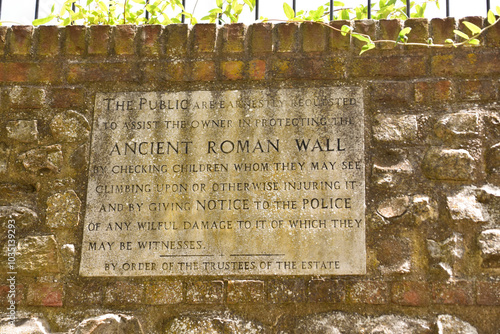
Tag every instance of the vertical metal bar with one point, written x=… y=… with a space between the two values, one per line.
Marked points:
x=447 y=8
x=37 y=4
x=331 y=10
x=294 y=6
x=408 y=8
x=369 y=9
x=183 y=17
x=147 y=13
x=487 y=7
x=0 y=9
x=256 y=10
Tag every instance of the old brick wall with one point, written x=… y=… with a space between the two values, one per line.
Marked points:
x=432 y=173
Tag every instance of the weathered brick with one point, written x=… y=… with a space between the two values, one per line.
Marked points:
x=261 y=38
x=389 y=31
x=291 y=290
x=369 y=292
x=492 y=36
x=14 y=72
x=411 y=293
x=67 y=97
x=419 y=30
x=286 y=37
x=20 y=40
x=150 y=40
x=233 y=37
x=336 y=40
x=74 y=44
x=313 y=37
x=247 y=291
x=476 y=90
x=468 y=63
x=123 y=293
x=99 y=38
x=5 y=292
x=176 y=71
x=257 y=69
x=102 y=72
x=205 y=292
x=433 y=91
x=326 y=291
x=477 y=20
x=232 y=70
x=88 y=293
x=442 y=29
x=203 y=71
x=282 y=69
x=204 y=37
x=45 y=294
x=3 y=39
x=453 y=293
x=323 y=68
x=488 y=293
x=177 y=40
x=48 y=40
x=389 y=66
x=46 y=72
x=390 y=91
x=27 y=97
x=365 y=27
x=163 y=293
x=124 y=39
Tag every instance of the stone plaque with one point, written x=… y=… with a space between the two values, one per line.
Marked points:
x=251 y=182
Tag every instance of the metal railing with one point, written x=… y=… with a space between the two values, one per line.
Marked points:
x=294 y=6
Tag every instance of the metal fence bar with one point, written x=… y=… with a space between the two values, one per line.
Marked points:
x=408 y=5
x=487 y=7
x=369 y=5
x=37 y=4
x=331 y=10
x=256 y=10
x=447 y=8
x=183 y=17
x=294 y=6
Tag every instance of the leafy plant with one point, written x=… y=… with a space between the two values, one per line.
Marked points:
x=231 y=11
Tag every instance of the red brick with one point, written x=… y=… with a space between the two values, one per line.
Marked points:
x=102 y=72
x=336 y=41
x=232 y=70
x=5 y=292
x=20 y=40
x=14 y=72
x=389 y=66
x=125 y=39
x=282 y=291
x=74 y=43
x=67 y=97
x=46 y=72
x=175 y=71
x=468 y=63
x=282 y=69
x=203 y=71
x=163 y=293
x=261 y=38
x=411 y=293
x=45 y=294
x=313 y=37
x=388 y=30
x=208 y=292
x=204 y=37
x=476 y=90
x=365 y=27
x=433 y=91
x=488 y=293
x=3 y=39
x=391 y=92
x=368 y=292
x=234 y=37
x=419 y=30
x=326 y=291
x=48 y=40
x=257 y=69
x=248 y=291
x=286 y=37
x=176 y=39
x=123 y=293
x=442 y=29
x=453 y=293
x=88 y=293
x=150 y=40
x=100 y=36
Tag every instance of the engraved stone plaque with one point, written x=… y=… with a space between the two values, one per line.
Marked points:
x=250 y=182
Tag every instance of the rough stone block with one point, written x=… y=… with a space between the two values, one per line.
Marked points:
x=313 y=37
x=411 y=293
x=74 y=45
x=177 y=39
x=369 y=292
x=286 y=37
x=465 y=205
x=282 y=291
x=453 y=293
x=442 y=29
x=110 y=323
x=205 y=292
x=99 y=40
x=336 y=40
x=429 y=92
x=489 y=243
x=4 y=158
x=21 y=39
x=326 y=291
x=245 y=291
x=70 y=126
x=38 y=255
x=394 y=207
x=150 y=40
x=204 y=37
x=394 y=255
x=163 y=293
x=123 y=293
x=448 y=324
x=45 y=294
x=395 y=128
x=86 y=293
x=24 y=131
x=24 y=326
x=27 y=97
x=493 y=159
x=233 y=70
x=213 y=323
x=48 y=41
x=43 y=159
x=124 y=39
x=261 y=38
x=63 y=210
x=488 y=293
x=458 y=125
x=448 y=164
x=424 y=209
x=233 y=38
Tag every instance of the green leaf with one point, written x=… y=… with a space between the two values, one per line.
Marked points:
x=472 y=27
x=345 y=30
x=290 y=14
x=449 y=41
x=498 y=10
x=367 y=47
x=404 y=32
x=362 y=38
x=461 y=34
x=491 y=17
x=44 y=20
x=344 y=14
x=473 y=41
x=219 y=3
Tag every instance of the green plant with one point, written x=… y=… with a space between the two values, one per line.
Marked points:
x=231 y=11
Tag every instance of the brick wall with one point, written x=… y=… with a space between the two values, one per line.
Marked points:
x=433 y=174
